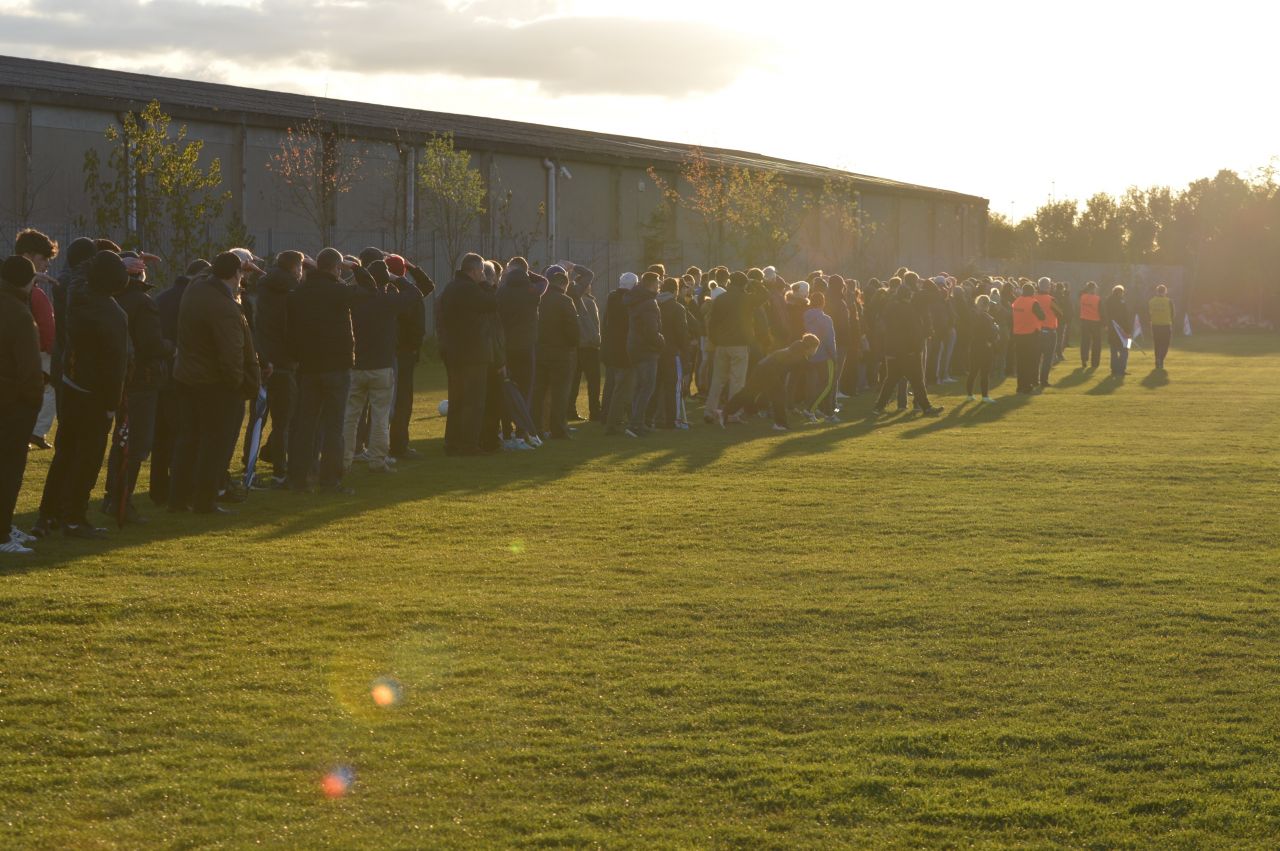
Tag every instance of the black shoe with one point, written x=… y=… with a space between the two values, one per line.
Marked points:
x=84 y=531
x=933 y=412
x=407 y=453
x=133 y=517
x=338 y=489
x=44 y=527
x=231 y=496
x=39 y=442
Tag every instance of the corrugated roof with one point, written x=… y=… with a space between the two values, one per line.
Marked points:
x=30 y=78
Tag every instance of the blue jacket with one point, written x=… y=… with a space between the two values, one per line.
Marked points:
x=820 y=325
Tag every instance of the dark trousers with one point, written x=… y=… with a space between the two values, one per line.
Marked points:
x=520 y=373
x=1090 y=342
x=911 y=368
x=645 y=375
x=16 y=422
x=980 y=356
x=1163 y=337
x=142 y=428
x=166 y=436
x=1119 y=357
x=1027 y=358
x=491 y=421
x=619 y=387
x=282 y=401
x=552 y=380
x=402 y=402
x=467 y=391
x=81 y=441
x=774 y=393
x=209 y=417
x=1048 y=353
x=317 y=428
x=664 y=407
x=587 y=366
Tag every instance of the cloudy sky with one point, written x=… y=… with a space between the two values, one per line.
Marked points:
x=1009 y=100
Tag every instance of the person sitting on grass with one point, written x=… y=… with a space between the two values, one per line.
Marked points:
x=769 y=381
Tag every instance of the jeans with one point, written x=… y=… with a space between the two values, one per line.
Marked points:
x=1090 y=342
x=947 y=349
x=645 y=375
x=619 y=388
x=79 y=445
x=209 y=418
x=316 y=431
x=587 y=366
x=16 y=422
x=728 y=374
x=520 y=373
x=1048 y=353
x=665 y=406
x=142 y=406
x=1119 y=359
x=980 y=357
x=402 y=404
x=552 y=379
x=282 y=401
x=375 y=388
x=1163 y=337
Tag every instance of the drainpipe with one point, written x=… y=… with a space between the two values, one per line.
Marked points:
x=551 y=209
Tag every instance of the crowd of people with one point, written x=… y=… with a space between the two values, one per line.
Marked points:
x=325 y=349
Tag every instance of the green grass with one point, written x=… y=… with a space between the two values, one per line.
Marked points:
x=1048 y=622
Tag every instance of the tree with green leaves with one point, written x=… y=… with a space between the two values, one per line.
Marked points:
x=152 y=192
x=456 y=193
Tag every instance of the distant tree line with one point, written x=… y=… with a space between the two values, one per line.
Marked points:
x=1224 y=230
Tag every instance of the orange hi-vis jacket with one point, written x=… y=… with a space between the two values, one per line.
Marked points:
x=1025 y=320
x=1089 y=303
x=1050 y=318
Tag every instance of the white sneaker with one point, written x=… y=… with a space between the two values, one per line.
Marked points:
x=971 y=398
x=987 y=399
x=12 y=547
x=777 y=427
x=521 y=446
x=833 y=419
x=381 y=468
x=16 y=534
x=363 y=456
x=533 y=440
x=388 y=459
x=682 y=426
x=811 y=416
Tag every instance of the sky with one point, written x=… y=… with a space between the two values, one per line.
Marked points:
x=1017 y=102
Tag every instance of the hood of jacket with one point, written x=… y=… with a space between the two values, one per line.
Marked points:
x=278 y=281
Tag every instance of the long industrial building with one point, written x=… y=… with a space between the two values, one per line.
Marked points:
x=569 y=194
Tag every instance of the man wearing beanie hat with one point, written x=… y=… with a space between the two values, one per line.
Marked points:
x=616 y=401
x=94 y=367
x=558 y=337
x=151 y=354
x=21 y=391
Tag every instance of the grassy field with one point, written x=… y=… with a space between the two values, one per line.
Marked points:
x=1051 y=621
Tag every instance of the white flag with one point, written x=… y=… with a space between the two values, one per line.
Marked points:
x=1137 y=326
x=1128 y=341
x=1186 y=324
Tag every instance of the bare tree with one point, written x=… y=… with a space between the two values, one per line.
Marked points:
x=317 y=162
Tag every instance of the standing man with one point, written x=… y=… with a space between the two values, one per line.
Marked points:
x=1028 y=319
x=323 y=345
x=588 y=360
x=22 y=384
x=668 y=394
x=148 y=368
x=1048 y=330
x=618 y=383
x=1090 y=326
x=558 y=339
x=461 y=316
x=93 y=372
x=168 y=303
x=519 y=293
x=731 y=330
x=271 y=337
x=1160 y=308
x=215 y=372
x=644 y=346
x=41 y=251
x=409 y=280
x=905 y=336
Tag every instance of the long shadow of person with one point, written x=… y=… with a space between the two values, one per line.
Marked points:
x=1155 y=379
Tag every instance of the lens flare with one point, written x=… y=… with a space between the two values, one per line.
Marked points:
x=517 y=547
x=338 y=782
x=385 y=692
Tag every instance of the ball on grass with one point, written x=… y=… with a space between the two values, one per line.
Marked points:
x=444 y=408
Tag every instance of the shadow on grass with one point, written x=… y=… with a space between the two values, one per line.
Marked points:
x=1106 y=386
x=1075 y=378
x=1240 y=344
x=1156 y=379
x=969 y=414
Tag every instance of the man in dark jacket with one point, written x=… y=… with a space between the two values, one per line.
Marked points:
x=587 y=363
x=731 y=328
x=519 y=294
x=906 y=335
x=271 y=337
x=409 y=280
x=215 y=371
x=148 y=369
x=168 y=304
x=462 y=314
x=375 y=323
x=558 y=338
x=667 y=405
x=21 y=391
x=94 y=363
x=619 y=385
x=644 y=345
x=323 y=345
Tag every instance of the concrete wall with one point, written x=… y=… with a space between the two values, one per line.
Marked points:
x=603 y=213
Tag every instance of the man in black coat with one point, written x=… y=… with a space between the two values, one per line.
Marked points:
x=618 y=380
x=906 y=333
x=666 y=408
x=166 y=431
x=322 y=343
x=463 y=311
x=148 y=369
x=644 y=346
x=94 y=363
x=21 y=391
x=271 y=337
x=519 y=294
x=408 y=280
x=558 y=337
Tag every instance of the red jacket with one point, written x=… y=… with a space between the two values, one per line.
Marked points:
x=42 y=310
